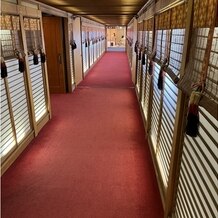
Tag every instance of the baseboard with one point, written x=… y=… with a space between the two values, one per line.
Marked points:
x=10 y=160
x=147 y=136
x=157 y=172
x=42 y=122
x=17 y=151
x=86 y=73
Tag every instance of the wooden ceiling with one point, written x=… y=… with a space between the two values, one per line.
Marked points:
x=108 y=12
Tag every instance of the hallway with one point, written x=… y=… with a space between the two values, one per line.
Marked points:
x=91 y=160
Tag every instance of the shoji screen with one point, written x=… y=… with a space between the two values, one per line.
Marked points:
x=156 y=108
x=104 y=40
x=94 y=45
x=25 y=103
x=15 y=110
x=98 y=43
x=162 y=41
x=139 y=56
x=103 y=37
x=91 y=47
x=169 y=47
x=18 y=95
x=70 y=27
x=144 y=68
x=93 y=42
x=197 y=187
x=8 y=137
x=129 y=39
x=170 y=92
x=85 y=49
x=34 y=46
x=101 y=42
x=148 y=41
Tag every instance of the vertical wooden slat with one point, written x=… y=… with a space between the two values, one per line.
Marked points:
x=45 y=72
x=151 y=26
x=28 y=79
x=10 y=108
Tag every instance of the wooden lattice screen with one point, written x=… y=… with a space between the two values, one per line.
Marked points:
x=10 y=36
x=203 y=55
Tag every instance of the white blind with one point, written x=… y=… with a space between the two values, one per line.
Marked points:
x=146 y=94
x=139 y=64
x=150 y=37
x=84 y=53
x=158 y=44
x=95 y=51
x=197 y=190
x=91 y=53
x=19 y=103
x=164 y=102
x=155 y=107
x=38 y=88
x=146 y=78
x=7 y=135
x=144 y=75
x=176 y=49
x=167 y=123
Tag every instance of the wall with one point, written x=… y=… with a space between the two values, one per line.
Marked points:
x=93 y=43
x=25 y=97
x=25 y=100
x=177 y=46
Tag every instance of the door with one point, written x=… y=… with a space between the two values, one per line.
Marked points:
x=53 y=34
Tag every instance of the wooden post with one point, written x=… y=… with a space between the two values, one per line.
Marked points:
x=44 y=68
x=151 y=88
x=10 y=109
x=27 y=76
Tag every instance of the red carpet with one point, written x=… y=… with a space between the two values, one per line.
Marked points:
x=113 y=70
x=91 y=160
